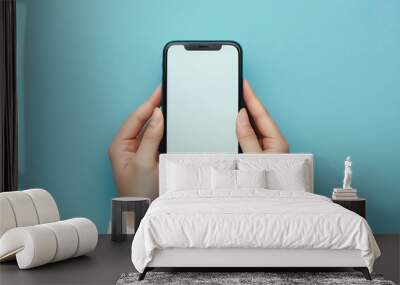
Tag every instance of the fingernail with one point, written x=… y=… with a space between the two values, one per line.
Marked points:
x=155 y=117
x=243 y=117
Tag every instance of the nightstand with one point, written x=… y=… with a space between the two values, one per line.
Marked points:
x=357 y=205
x=138 y=205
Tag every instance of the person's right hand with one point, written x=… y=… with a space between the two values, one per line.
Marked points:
x=266 y=136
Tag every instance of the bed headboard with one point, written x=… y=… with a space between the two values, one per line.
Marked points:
x=210 y=157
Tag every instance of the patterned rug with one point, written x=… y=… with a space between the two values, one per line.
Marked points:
x=269 y=278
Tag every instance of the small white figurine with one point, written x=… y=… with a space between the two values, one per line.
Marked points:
x=347 y=173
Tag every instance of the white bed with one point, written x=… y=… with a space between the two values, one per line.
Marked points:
x=208 y=226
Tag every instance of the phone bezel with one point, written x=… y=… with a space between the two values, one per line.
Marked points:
x=197 y=45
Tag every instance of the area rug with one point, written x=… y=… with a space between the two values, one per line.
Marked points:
x=269 y=278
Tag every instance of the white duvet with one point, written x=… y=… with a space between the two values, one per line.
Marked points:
x=250 y=218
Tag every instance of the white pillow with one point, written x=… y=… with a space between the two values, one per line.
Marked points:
x=236 y=179
x=281 y=174
x=188 y=174
x=184 y=177
x=289 y=179
x=223 y=179
x=251 y=178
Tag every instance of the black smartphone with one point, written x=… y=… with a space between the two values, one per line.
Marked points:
x=202 y=94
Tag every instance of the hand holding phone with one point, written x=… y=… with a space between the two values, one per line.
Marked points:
x=134 y=150
x=263 y=135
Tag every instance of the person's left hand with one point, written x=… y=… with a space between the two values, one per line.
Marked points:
x=134 y=150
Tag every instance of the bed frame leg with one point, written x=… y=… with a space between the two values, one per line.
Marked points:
x=143 y=274
x=364 y=271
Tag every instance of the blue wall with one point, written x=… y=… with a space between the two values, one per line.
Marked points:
x=328 y=71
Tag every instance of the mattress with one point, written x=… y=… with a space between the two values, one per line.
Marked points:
x=251 y=219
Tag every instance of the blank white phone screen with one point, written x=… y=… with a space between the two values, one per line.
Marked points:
x=202 y=99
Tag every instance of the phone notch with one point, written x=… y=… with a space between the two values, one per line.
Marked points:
x=203 y=46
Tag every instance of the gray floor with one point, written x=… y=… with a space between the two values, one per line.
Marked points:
x=110 y=260
x=389 y=262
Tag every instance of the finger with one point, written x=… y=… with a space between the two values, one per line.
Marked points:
x=260 y=115
x=246 y=136
x=148 y=148
x=133 y=125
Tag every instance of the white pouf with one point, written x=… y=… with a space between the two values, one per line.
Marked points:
x=31 y=233
x=41 y=244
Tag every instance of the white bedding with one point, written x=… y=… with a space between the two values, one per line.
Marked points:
x=251 y=218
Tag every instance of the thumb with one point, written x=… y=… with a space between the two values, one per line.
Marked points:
x=152 y=136
x=246 y=136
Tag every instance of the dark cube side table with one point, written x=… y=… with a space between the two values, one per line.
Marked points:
x=357 y=205
x=138 y=205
